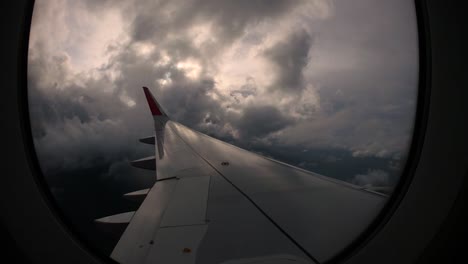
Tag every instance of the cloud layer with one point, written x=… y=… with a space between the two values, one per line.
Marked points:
x=265 y=74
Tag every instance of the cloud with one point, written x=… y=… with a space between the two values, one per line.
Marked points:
x=372 y=178
x=245 y=71
x=158 y=19
x=246 y=90
x=260 y=121
x=290 y=57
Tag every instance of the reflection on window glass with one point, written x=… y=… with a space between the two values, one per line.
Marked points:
x=328 y=87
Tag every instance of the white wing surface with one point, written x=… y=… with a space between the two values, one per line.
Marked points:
x=215 y=203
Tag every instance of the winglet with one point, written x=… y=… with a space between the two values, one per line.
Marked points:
x=155 y=108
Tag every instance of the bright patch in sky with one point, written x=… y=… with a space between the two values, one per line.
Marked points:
x=191 y=68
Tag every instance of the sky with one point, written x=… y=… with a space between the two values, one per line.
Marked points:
x=326 y=85
x=329 y=86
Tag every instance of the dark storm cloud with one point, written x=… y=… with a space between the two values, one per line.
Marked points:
x=246 y=90
x=189 y=101
x=289 y=58
x=259 y=121
x=98 y=114
x=77 y=126
x=170 y=24
x=166 y=23
x=365 y=72
x=84 y=122
x=51 y=108
x=56 y=109
x=185 y=100
x=157 y=19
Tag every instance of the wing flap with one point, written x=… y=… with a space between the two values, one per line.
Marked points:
x=188 y=206
x=138 y=238
x=178 y=245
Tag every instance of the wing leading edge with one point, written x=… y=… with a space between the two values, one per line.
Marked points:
x=215 y=203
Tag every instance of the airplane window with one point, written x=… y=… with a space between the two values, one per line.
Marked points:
x=263 y=126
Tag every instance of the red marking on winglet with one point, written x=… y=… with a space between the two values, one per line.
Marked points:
x=151 y=102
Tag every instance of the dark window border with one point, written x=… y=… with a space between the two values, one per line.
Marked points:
x=33 y=160
x=21 y=192
x=360 y=242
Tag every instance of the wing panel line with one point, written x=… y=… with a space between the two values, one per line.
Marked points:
x=323 y=177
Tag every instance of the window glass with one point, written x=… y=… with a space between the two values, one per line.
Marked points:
x=326 y=86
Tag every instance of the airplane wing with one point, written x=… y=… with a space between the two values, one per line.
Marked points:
x=213 y=202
